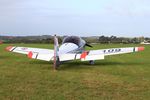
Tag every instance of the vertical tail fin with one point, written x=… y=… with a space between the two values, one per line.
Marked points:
x=56 y=55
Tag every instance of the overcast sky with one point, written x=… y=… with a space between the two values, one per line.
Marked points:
x=75 y=17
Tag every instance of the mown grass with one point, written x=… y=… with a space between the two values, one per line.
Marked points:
x=120 y=77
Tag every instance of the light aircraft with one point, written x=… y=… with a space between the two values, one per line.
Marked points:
x=145 y=43
x=72 y=48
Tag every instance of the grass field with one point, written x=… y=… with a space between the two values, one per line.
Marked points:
x=120 y=77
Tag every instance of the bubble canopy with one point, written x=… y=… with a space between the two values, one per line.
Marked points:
x=72 y=39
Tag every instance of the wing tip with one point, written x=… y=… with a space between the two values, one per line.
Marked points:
x=8 y=48
x=141 y=48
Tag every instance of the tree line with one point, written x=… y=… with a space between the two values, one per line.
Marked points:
x=49 y=39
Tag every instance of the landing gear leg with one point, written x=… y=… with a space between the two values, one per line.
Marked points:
x=91 y=62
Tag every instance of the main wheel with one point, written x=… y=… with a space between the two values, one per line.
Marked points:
x=91 y=62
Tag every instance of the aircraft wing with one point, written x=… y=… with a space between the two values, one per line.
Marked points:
x=98 y=54
x=48 y=55
x=35 y=53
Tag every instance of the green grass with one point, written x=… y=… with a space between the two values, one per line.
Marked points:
x=120 y=77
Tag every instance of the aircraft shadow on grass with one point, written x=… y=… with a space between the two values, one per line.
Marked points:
x=86 y=65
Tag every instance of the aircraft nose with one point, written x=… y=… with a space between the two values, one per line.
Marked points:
x=67 y=47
